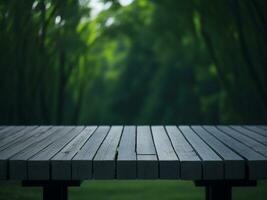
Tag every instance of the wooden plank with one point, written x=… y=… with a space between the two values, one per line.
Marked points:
x=256 y=146
x=71 y=152
x=212 y=164
x=147 y=162
x=145 y=144
x=26 y=134
x=147 y=166
x=19 y=135
x=257 y=129
x=2 y=127
x=234 y=165
x=5 y=130
x=18 y=162
x=37 y=135
x=263 y=127
x=82 y=162
x=104 y=161
x=9 y=130
x=169 y=166
x=256 y=162
x=61 y=162
x=126 y=161
x=252 y=134
x=39 y=165
x=190 y=163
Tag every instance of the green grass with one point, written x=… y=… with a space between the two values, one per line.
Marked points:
x=131 y=190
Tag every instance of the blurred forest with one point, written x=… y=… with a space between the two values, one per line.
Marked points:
x=135 y=61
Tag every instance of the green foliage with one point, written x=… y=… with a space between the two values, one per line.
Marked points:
x=149 y=62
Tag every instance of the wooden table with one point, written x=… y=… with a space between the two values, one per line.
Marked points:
x=55 y=157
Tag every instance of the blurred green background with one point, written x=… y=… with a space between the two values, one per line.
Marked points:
x=131 y=190
x=133 y=62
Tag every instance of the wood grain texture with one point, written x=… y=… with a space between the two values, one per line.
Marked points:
x=252 y=134
x=39 y=164
x=18 y=162
x=61 y=162
x=9 y=131
x=105 y=159
x=234 y=165
x=147 y=161
x=37 y=135
x=190 y=163
x=82 y=162
x=126 y=161
x=16 y=136
x=256 y=146
x=212 y=164
x=262 y=127
x=133 y=152
x=256 y=162
x=169 y=165
x=258 y=129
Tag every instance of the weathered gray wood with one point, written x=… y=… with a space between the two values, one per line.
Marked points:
x=263 y=127
x=61 y=162
x=82 y=162
x=257 y=129
x=130 y=152
x=256 y=162
x=126 y=161
x=104 y=161
x=39 y=165
x=2 y=127
x=169 y=166
x=37 y=135
x=234 y=165
x=212 y=164
x=256 y=146
x=190 y=163
x=8 y=135
x=145 y=144
x=147 y=165
x=19 y=135
x=252 y=134
x=18 y=162
x=33 y=135
x=10 y=130
x=5 y=130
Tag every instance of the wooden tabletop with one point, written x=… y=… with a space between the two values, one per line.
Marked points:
x=133 y=152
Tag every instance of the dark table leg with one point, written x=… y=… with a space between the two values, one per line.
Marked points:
x=53 y=190
x=222 y=192
x=222 y=189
